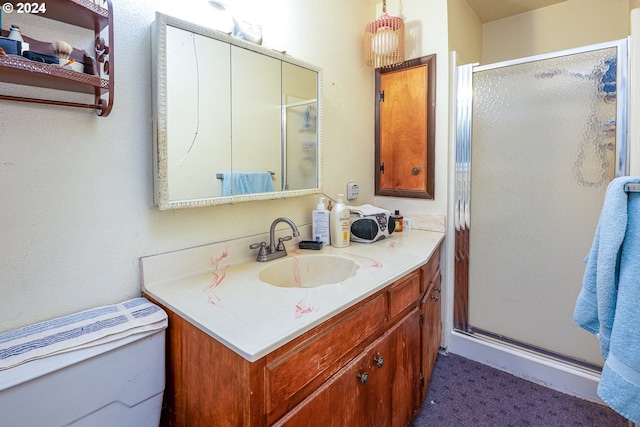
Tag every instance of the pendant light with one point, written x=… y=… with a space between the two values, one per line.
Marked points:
x=384 y=40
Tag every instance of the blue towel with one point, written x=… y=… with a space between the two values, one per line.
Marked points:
x=609 y=302
x=234 y=183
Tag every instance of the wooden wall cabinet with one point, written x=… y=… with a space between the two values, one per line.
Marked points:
x=362 y=367
x=81 y=13
x=405 y=129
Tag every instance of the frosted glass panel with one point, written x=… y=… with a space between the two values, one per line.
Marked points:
x=543 y=152
x=301 y=145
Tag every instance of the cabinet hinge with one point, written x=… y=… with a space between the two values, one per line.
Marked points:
x=421 y=380
x=421 y=320
x=381 y=96
x=381 y=167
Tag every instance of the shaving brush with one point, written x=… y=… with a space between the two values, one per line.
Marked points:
x=61 y=49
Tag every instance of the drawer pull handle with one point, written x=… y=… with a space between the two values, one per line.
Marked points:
x=364 y=377
x=379 y=361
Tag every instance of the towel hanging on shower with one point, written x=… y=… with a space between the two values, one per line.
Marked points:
x=608 y=302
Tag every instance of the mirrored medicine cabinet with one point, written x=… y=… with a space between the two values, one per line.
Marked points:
x=233 y=121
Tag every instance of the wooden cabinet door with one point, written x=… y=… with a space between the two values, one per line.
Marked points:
x=358 y=395
x=405 y=124
x=405 y=396
x=403 y=130
x=430 y=306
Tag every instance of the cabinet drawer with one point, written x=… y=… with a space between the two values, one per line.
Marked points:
x=404 y=293
x=318 y=355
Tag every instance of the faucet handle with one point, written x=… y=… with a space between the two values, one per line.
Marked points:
x=262 y=253
x=280 y=246
x=258 y=245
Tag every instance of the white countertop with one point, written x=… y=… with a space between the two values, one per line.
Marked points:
x=216 y=288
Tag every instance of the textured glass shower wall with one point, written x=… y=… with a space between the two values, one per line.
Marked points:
x=542 y=153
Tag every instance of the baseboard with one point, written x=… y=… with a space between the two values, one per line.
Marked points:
x=541 y=370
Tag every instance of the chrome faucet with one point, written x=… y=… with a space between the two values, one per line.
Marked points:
x=278 y=250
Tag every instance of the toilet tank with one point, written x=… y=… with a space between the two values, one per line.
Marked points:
x=117 y=383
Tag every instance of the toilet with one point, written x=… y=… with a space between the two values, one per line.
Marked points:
x=116 y=383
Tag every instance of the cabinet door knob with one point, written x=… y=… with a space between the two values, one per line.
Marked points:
x=415 y=171
x=364 y=377
x=379 y=361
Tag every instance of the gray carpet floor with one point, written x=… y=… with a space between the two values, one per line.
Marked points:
x=466 y=393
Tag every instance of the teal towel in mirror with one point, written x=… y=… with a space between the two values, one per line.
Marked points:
x=234 y=183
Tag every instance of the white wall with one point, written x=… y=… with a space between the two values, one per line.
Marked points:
x=465 y=32
x=76 y=189
x=77 y=208
x=572 y=23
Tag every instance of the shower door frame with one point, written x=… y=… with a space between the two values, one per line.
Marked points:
x=461 y=191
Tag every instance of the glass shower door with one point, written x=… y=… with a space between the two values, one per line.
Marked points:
x=543 y=150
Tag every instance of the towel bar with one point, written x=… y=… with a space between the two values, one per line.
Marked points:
x=632 y=188
x=221 y=176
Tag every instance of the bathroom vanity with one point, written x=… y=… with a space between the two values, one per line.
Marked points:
x=241 y=352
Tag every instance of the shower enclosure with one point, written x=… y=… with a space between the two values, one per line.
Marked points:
x=538 y=140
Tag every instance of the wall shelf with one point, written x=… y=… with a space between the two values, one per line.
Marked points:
x=85 y=14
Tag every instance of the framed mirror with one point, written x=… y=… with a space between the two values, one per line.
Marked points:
x=405 y=129
x=233 y=121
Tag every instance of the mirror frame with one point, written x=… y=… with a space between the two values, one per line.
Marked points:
x=159 y=82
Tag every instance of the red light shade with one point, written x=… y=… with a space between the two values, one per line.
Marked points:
x=384 y=41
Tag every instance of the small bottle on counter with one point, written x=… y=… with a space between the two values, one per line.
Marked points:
x=320 y=223
x=340 y=219
x=398 y=219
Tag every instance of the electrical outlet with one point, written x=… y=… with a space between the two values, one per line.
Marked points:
x=352 y=191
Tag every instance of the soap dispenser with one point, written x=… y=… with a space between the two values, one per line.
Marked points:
x=340 y=219
x=320 y=223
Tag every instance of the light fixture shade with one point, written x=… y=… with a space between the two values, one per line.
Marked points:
x=384 y=41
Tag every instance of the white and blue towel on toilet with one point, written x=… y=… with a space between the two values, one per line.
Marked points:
x=609 y=302
x=78 y=330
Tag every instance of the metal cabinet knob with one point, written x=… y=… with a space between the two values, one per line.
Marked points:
x=364 y=377
x=415 y=171
x=379 y=361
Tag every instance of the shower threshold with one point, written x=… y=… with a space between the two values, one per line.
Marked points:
x=501 y=339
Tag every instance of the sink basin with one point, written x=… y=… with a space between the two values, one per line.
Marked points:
x=308 y=271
